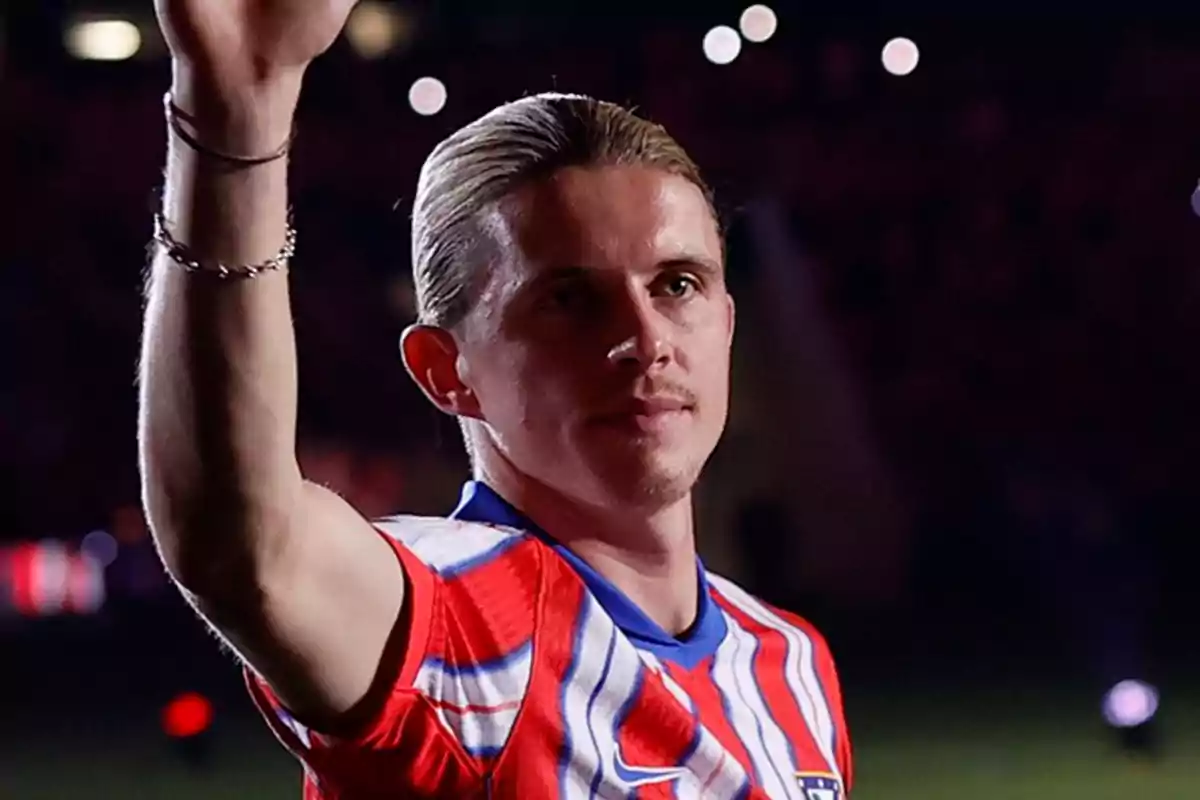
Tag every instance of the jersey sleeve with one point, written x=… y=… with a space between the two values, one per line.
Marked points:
x=400 y=743
x=430 y=733
x=833 y=688
x=831 y=685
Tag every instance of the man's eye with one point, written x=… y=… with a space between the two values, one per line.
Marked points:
x=680 y=286
x=569 y=296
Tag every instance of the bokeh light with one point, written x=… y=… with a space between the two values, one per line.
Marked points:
x=1130 y=703
x=188 y=714
x=758 y=23
x=427 y=96
x=103 y=40
x=900 y=56
x=722 y=44
x=373 y=28
x=101 y=547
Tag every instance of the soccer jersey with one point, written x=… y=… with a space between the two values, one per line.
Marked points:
x=527 y=675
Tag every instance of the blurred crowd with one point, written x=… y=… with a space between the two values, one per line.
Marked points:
x=1001 y=243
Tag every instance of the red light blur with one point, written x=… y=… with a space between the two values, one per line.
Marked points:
x=187 y=715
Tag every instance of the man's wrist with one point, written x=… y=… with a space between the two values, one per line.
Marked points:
x=244 y=119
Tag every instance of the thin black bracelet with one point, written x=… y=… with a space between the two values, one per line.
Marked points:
x=174 y=115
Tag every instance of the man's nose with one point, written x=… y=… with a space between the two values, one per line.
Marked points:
x=643 y=337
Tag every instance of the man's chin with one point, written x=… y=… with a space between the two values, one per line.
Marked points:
x=647 y=480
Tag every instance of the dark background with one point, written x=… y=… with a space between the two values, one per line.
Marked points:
x=962 y=439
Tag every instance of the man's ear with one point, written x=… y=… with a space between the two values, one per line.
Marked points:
x=432 y=358
x=732 y=312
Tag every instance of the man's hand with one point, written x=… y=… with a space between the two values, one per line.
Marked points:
x=248 y=42
x=238 y=64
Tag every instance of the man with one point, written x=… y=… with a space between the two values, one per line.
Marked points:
x=555 y=637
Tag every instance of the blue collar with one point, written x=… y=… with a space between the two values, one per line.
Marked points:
x=480 y=503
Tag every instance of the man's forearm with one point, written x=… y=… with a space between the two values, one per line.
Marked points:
x=218 y=373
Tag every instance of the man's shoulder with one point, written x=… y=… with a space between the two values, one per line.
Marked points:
x=476 y=667
x=452 y=547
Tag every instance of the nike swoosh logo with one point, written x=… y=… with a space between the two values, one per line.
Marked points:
x=641 y=776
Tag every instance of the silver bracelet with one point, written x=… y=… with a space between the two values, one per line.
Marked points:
x=182 y=255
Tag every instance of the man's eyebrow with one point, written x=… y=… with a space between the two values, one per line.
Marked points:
x=684 y=262
x=695 y=263
x=554 y=275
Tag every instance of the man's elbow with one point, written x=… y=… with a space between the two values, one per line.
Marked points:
x=216 y=554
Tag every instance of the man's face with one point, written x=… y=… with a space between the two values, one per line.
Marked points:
x=599 y=350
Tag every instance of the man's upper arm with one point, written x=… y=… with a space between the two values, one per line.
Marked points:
x=324 y=618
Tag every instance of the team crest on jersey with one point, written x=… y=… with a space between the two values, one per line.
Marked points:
x=820 y=785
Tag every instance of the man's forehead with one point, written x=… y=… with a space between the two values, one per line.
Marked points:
x=613 y=217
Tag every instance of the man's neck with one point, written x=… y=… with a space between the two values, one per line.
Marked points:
x=649 y=556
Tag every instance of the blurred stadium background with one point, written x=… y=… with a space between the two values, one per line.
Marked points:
x=964 y=435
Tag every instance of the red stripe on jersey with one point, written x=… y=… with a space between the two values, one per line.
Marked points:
x=770 y=673
x=656 y=734
x=522 y=773
x=490 y=608
x=698 y=683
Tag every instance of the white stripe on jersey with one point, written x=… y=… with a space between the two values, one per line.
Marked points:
x=713 y=773
x=478 y=704
x=733 y=673
x=592 y=640
x=448 y=545
x=589 y=684
x=606 y=674
x=800 y=668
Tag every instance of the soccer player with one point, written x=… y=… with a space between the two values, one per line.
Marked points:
x=556 y=636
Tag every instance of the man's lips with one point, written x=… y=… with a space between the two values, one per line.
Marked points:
x=648 y=413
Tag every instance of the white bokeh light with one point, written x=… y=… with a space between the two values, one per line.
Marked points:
x=722 y=44
x=758 y=23
x=427 y=96
x=103 y=40
x=1130 y=703
x=900 y=56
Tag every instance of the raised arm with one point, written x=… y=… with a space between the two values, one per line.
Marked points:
x=300 y=584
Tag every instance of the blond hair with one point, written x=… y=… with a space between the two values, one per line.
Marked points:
x=484 y=161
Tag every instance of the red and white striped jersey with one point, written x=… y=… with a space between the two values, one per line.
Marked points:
x=528 y=675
